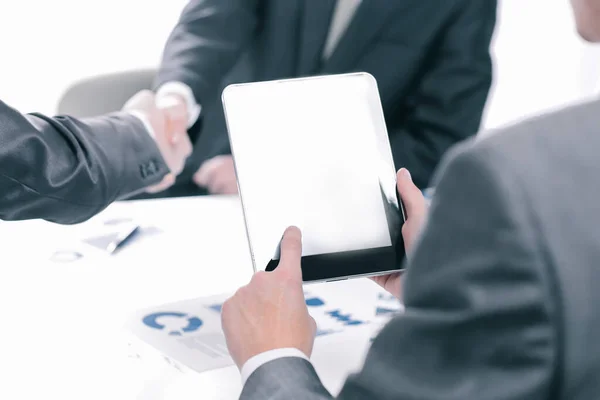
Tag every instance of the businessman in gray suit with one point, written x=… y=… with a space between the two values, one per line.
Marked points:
x=430 y=58
x=501 y=289
x=66 y=170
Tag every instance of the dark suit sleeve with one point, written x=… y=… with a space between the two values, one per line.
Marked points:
x=446 y=105
x=66 y=170
x=206 y=43
x=480 y=320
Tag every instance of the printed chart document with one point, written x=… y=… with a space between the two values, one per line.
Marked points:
x=188 y=334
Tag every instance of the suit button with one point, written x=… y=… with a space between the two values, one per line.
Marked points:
x=150 y=168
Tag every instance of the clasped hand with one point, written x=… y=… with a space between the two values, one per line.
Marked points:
x=168 y=116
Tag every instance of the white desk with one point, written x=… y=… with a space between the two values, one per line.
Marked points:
x=61 y=322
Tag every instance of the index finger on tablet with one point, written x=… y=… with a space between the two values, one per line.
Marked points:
x=291 y=250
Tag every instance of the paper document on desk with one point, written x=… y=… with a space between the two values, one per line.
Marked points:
x=188 y=334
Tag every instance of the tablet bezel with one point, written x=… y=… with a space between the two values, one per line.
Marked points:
x=347 y=264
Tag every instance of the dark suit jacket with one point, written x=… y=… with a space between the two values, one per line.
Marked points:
x=64 y=170
x=430 y=58
x=501 y=292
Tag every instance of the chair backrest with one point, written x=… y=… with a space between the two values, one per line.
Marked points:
x=104 y=94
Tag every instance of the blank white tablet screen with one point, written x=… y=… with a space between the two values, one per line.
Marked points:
x=307 y=154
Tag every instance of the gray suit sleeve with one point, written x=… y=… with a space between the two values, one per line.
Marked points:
x=480 y=315
x=286 y=378
x=206 y=43
x=66 y=170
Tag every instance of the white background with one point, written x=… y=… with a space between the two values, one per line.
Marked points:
x=46 y=45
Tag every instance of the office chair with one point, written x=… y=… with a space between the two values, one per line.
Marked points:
x=104 y=94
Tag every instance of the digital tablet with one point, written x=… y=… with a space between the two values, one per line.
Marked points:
x=315 y=153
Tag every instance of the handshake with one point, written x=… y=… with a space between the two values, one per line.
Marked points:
x=168 y=119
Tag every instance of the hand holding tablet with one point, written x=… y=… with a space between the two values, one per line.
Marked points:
x=314 y=153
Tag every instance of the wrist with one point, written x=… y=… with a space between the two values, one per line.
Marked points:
x=143 y=118
x=258 y=360
x=242 y=357
x=170 y=99
x=180 y=92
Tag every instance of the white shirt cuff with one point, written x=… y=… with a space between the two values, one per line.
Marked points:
x=260 y=359
x=183 y=90
x=144 y=120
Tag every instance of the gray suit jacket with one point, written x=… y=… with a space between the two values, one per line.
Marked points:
x=430 y=58
x=64 y=170
x=501 y=292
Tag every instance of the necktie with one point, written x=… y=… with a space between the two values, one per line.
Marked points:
x=342 y=15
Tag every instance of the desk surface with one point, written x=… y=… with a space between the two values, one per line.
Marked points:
x=62 y=322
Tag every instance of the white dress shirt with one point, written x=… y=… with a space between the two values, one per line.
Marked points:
x=183 y=90
x=252 y=364
x=144 y=120
x=342 y=16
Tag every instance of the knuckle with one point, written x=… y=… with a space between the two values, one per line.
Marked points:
x=230 y=302
x=243 y=293
x=240 y=292
x=407 y=231
x=260 y=277
x=226 y=307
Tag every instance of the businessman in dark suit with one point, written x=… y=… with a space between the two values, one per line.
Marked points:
x=500 y=292
x=430 y=58
x=66 y=170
